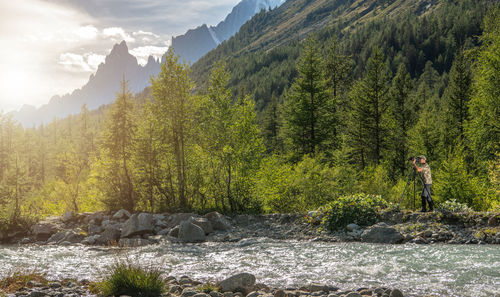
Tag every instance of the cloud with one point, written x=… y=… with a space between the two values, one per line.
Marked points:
x=142 y=53
x=117 y=34
x=87 y=32
x=80 y=63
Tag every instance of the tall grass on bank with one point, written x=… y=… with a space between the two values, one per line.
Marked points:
x=17 y=279
x=130 y=279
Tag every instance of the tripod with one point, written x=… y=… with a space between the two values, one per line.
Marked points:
x=411 y=176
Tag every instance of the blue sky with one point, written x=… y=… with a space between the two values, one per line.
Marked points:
x=50 y=47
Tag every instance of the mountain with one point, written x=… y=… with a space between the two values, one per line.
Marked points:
x=197 y=42
x=262 y=56
x=100 y=89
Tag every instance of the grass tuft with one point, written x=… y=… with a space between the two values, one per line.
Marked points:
x=207 y=288
x=15 y=280
x=132 y=280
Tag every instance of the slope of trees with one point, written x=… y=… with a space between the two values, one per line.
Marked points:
x=178 y=148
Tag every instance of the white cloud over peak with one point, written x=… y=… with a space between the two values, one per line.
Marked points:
x=80 y=63
x=118 y=34
x=142 y=53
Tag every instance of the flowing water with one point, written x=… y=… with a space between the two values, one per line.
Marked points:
x=443 y=270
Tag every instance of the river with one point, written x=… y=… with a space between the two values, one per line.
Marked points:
x=444 y=270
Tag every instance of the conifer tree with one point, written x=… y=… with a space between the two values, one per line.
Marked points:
x=309 y=110
x=483 y=129
x=369 y=129
x=456 y=101
x=403 y=115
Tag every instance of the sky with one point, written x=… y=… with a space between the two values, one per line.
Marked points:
x=51 y=47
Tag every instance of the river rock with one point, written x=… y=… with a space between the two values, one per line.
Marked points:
x=176 y=219
x=45 y=229
x=396 y=293
x=493 y=221
x=133 y=242
x=93 y=229
x=66 y=236
x=219 y=222
x=138 y=224
x=68 y=216
x=243 y=282
x=352 y=227
x=381 y=233
x=110 y=235
x=189 y=232
x=174 y=232
x=203 y=223
x=353 y=294
x=122 y=214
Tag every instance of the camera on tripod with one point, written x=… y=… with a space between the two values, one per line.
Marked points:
x=417 y=159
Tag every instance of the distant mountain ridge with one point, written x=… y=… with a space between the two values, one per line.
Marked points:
x=102 y=86
x=197 y=42
x=100 y=89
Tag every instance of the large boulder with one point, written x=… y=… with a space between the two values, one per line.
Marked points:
x=110 y=235
x=138 y=224
x=45 y=229
x=219 y=222
x=203 y=224
x=381 y=233
x=176 y=219
x=189 y=232
x=243 y=282
x=66 y=236
x=122 y=214
x=68 y=216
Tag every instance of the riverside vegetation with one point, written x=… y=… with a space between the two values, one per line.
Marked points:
x=178 y=147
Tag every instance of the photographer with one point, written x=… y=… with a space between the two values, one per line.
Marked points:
x=427 y=180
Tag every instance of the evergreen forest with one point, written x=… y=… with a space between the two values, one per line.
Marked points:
x=281 y=125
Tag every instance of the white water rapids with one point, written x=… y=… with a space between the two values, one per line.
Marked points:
x=443 y=270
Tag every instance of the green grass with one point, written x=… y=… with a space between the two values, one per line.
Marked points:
x=207 y=288
x=132 y=280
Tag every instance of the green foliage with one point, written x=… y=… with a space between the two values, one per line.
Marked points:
x=309 y=110
x=132 y=280
x=282 y=187
x=361 y=209
x=117 y=146
x=454 y=182
x=369 y=119
x=483 y=130
x=207 y=288
x=452 y=206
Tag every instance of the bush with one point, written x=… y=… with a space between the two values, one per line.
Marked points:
x=453 y=206
x=132 y=280
x=207 y=288
x=361 y=209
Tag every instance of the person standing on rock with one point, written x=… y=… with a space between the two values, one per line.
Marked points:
x=425 y=170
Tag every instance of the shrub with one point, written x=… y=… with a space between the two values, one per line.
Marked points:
x=453 y=206
x=132 y=280
x=361 y=209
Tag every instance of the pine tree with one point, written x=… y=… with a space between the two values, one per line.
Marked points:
x=309 y=110
x=456 y=101
x=369 y=130
x=403 y=115
x=117 y=147
x=483 y=129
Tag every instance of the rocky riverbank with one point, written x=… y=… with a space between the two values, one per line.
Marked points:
x=243 y=284
x=125 y=229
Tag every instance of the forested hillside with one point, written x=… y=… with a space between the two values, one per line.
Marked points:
x=309 y=102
